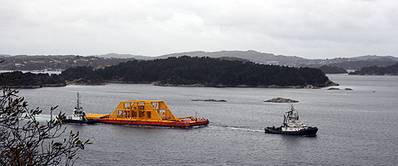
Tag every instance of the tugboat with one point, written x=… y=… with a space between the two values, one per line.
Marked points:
x=292 y=126
x=147 y=113
x=78 y=116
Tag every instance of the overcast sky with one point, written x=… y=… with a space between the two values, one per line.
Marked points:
x=307 y=28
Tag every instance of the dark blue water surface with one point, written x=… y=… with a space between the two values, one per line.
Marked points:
x=358 y=127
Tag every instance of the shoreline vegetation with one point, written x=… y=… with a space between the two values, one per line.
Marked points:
x=375 y=70
x=332 y=69
x=181 y=72
x=28 y=80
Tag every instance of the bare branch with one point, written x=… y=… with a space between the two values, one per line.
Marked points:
x=25 y=141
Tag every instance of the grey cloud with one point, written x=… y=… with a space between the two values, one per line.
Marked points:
x=309 y=28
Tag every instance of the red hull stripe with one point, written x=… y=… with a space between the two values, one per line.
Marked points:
x=165 y=124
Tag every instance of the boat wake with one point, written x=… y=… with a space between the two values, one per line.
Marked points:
x=237 y=128
x=245 y=129
x=44 y=117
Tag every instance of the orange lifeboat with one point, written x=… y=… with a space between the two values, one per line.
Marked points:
x=146 y=113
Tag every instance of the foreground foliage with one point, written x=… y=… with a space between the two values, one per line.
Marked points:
x=26 y=141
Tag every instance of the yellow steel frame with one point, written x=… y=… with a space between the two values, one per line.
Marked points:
x=155 y=110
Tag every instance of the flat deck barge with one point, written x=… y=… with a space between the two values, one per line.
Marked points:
x=146 y=113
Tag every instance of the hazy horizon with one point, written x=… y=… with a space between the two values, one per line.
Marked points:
x=310 y=29
x=188 y=52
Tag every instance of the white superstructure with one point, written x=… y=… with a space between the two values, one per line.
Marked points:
x=291 y=121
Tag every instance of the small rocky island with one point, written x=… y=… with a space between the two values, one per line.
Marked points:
x=209 y=100
x=334 y=88
x=281 y=100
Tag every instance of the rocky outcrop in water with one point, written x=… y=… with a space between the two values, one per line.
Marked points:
x=281 y=100
x=334 y=88
x=209 y=100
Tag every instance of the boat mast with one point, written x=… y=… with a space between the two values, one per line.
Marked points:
x=284 y=120
x=78 y=101
x=78 y=107
x=292 y=114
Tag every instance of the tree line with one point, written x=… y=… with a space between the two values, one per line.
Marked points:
x=176 y=71
x=18 y=79
x=200 y=71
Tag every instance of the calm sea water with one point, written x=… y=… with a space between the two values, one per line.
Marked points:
x=356 y=127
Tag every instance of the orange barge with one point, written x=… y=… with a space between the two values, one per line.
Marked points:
x=146 y=113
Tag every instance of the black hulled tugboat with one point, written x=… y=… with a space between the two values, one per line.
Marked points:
x=292 y=126
x=78 y=116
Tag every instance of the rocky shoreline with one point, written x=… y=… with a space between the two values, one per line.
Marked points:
x=245 y=86
x=34 y=86
x=164 y=85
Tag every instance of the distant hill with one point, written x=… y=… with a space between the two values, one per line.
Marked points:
x=233 y=59
x=354 y=63
x=332 y=69
x=55 y=62
x=375 y=70
x=125 y=56
x=61 y=62
x=358 y=64
x=201 y=71
x=374 y=57
x=253 y=56
x=2 y=58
